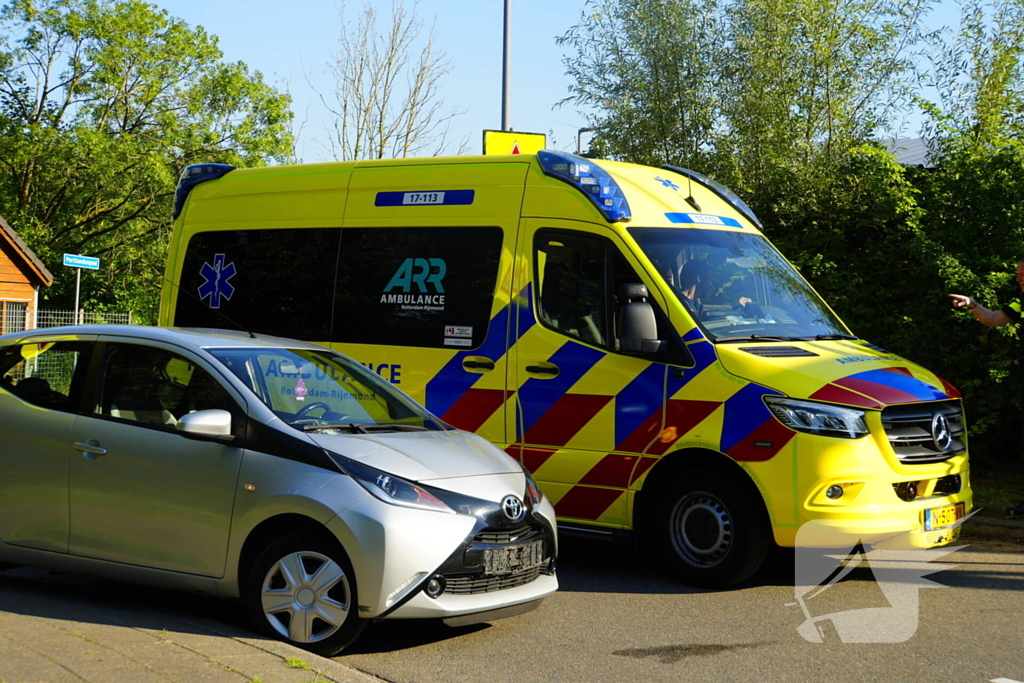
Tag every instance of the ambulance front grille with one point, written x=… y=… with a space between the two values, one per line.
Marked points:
x=910 y=431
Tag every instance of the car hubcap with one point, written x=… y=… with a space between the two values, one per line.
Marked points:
x=306 y=597
x=701 y=530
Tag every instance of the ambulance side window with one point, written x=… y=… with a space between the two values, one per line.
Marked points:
x=417 y=286
x=571 y=285
x=577 y=280
x=275 y=281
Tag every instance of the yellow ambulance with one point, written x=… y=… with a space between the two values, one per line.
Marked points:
x=626 y=332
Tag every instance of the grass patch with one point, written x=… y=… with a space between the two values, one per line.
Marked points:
x=297 y=663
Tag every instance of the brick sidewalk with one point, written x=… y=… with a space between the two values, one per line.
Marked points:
x=58 y=629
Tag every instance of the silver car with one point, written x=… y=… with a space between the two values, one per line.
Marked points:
x=265 y=469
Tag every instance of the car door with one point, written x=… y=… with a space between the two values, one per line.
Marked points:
x=140 y=492
x=586 y=412
x=40 y=383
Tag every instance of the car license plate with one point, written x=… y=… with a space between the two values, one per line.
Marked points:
x=513 y=558
x=936 y=518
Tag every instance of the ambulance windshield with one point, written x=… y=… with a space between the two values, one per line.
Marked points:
x=737 y=286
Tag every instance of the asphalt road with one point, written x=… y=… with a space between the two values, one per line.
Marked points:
x=616 y=618
x=619 y=619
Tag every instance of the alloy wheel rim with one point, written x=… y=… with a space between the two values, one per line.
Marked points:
x=305 y=597
x=701 y=529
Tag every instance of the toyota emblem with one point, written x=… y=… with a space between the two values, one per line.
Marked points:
x=941 y=435
x=513 y=508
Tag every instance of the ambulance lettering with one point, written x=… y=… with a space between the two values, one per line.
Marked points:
x=394 y=372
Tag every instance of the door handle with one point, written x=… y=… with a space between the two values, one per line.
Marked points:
x=543 y=369
x=90 y=448
x=478 y=363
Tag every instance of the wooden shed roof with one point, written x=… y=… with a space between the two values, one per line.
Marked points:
x=36 y=266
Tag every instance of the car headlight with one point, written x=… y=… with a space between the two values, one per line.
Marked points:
x=533 y=492
x=818 y=418
x=389 y=488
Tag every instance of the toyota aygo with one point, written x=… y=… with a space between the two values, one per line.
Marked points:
x=259 y=468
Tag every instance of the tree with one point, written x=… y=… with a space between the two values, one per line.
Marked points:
x=384 y=102
x=646 y=70
x=102 y=104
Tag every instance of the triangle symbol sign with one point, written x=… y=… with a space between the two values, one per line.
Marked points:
x=515 y=148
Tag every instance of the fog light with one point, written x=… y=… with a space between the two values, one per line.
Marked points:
x=435 y=586
x=906 y=490
x=834 y=492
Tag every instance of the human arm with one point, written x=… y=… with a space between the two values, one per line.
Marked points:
x=984 y=315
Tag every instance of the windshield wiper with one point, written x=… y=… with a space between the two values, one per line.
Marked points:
x=366 y=428
x=759 y=338
x=825 y=337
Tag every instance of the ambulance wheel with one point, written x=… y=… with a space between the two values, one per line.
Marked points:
x=711 y=530
x=302 y=590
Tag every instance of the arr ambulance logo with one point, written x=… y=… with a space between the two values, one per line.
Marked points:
x=418 y=281
x=420 y=272
x=216 y=278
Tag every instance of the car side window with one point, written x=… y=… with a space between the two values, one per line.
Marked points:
x=44 y=374
x=154 y=386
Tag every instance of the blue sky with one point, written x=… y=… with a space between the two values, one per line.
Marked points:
x=284 y=40
x=292 y=41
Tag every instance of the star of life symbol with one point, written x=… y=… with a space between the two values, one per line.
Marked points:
x=217 y=276
x=822 y=560
x=667 y=183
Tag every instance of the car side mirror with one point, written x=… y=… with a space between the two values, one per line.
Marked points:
x=638 y=326
x=214 y=424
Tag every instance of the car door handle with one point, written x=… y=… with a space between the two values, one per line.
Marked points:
x=478 y=363
x=543 y=369
x=90 y=448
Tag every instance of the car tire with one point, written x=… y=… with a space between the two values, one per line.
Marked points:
x=302 y=590
x=711 y=530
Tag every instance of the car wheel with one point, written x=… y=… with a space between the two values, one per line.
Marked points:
x=711 y=530
x=302 y=590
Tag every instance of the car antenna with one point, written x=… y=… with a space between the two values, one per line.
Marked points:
x=218 y=312
x=689 y=199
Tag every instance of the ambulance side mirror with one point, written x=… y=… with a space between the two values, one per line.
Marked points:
x=638 y=326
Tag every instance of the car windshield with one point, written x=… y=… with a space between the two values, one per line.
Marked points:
x=322 y=391
x=737 y=286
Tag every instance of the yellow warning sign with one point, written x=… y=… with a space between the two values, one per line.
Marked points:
x=513 y=142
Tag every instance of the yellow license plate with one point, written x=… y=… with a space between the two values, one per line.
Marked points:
x=936 y=518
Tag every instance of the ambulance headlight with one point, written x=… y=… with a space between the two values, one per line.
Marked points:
x=822 y=419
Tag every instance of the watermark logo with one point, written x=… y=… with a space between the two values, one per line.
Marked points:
x=822 y=560
x=420 y=272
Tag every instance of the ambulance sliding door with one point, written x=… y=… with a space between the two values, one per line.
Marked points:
x=423 y=289
x=585 y=412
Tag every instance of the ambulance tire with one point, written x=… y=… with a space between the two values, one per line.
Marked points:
x=710 y=529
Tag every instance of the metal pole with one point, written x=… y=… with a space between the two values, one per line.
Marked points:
x=78 y=288
x=505 y=67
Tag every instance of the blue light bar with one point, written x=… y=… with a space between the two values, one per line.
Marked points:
x=192 y=176
x=590 y=179
x=719 y=189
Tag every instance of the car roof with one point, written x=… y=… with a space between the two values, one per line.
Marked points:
x=194 y=337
